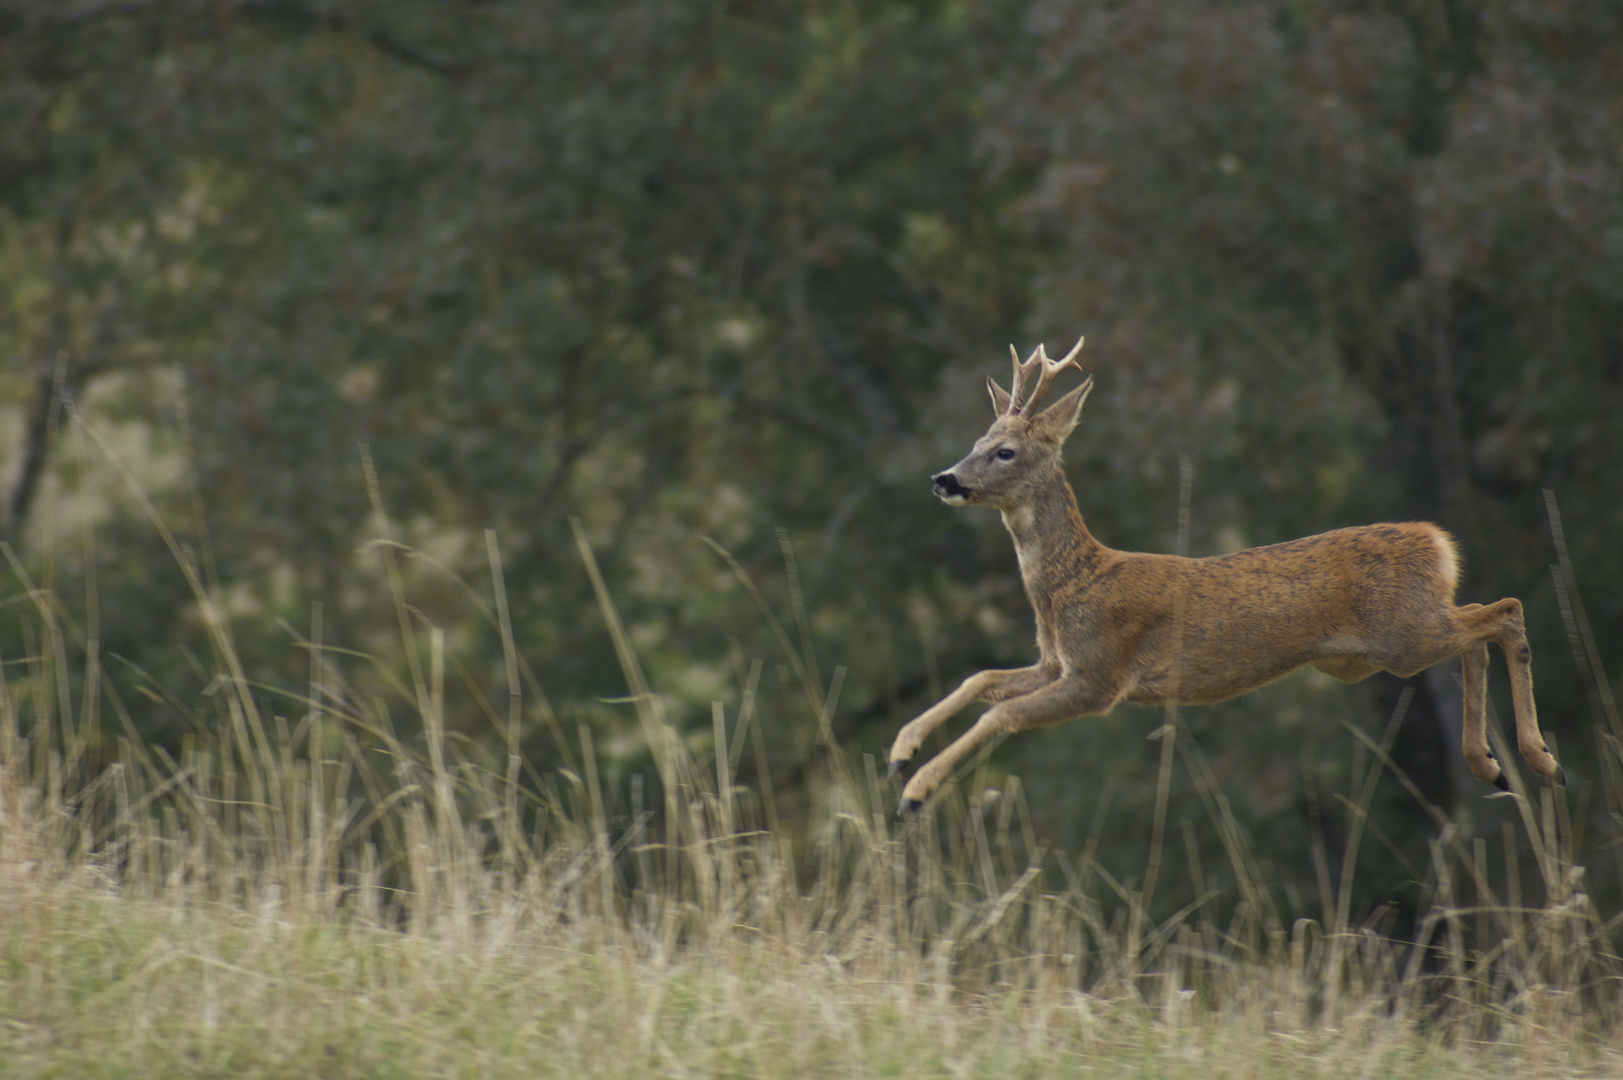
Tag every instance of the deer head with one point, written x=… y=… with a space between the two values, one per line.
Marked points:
x=1021 y=450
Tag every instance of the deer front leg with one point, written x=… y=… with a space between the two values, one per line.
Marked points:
x=1071 y=695
x=993 y=685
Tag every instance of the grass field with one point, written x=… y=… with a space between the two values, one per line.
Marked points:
x=323 y=899
x=177 y=954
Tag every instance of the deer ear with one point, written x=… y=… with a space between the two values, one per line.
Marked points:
x=1000 y=397
x=1059 y=419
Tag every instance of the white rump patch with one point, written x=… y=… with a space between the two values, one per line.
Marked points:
x=1447 y=560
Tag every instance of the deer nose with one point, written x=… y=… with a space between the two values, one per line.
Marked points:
x=946 y=486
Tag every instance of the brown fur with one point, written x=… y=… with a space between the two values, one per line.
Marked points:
x=1118 y=626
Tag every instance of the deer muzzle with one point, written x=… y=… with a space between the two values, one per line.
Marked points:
x=948 y=489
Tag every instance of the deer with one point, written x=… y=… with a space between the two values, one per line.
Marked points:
x=1153 y=629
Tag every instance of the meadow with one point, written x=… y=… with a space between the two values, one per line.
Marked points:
x=301 y=891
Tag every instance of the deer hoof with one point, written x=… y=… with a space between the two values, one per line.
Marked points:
x=899 y=767
x=908 y=807
x=1502 y=781
x=1560 y=776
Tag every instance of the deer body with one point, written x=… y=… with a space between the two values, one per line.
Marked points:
x=1118 y=626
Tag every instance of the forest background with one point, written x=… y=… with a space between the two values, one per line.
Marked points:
x=722 y=282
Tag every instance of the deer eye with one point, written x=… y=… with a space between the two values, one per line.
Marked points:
x=1005 y=454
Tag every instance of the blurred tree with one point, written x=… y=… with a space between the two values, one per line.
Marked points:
x=679 y=271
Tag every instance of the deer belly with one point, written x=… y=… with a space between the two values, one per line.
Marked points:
x=1203 y=683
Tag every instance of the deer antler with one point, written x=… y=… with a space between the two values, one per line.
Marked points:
x=1021 y=403
x=1018 y=381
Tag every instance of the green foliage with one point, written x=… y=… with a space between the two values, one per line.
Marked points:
x=673 y=271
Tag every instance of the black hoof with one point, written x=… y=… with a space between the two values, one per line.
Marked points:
x=899 y=767
x=908 y=807
x=1560 y=776
x=1502 y=781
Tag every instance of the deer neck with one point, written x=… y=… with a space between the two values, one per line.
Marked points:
x=1050 y=539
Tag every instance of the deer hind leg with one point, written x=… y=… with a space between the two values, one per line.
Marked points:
x=1501 y=624
x=1060 y=699
x=1474 y=742
x=994 y=685
x=1512 y=641
x=1466 y=632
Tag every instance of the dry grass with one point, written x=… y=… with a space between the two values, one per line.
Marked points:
x=322 y=899
x=177 y=949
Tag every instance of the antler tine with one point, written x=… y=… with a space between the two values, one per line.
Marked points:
x=1022 y=373
x=1050 y=368
x=1044 y=377
x=1070 y=357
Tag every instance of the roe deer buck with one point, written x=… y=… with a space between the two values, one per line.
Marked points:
x=1123 y=626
